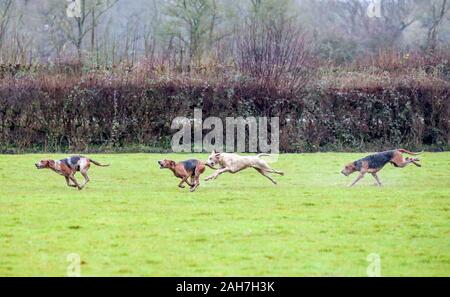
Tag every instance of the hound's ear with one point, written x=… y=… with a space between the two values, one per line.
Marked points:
x=214 y=151
x=172 y=163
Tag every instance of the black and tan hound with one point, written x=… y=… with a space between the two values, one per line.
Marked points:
x=374 y=163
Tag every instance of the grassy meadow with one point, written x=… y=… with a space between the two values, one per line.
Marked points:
x=133 y=220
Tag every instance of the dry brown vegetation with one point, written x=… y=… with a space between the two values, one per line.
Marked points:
x=369 y=104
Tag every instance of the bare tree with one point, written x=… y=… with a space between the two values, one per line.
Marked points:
x=83 y=19
x=5 y=9
x=184 y=33
x=397 y=16
x=439 y=10
x=150 y=31
x=373 y=32
x=274 y=50
x=196 y=21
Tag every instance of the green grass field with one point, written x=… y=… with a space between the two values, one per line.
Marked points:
x=132 y=220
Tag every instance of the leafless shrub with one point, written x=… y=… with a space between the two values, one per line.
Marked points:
x=275 y=55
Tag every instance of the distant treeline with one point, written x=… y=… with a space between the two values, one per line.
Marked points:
x=186 y=34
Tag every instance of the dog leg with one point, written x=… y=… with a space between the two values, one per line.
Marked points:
x=276 y=171
x=407 y=162
x=191 y=183
x=217 y=173
x=402 y=162
x=185 y=180
x=265 y=167
x=86 y=178
x=194 y=184
x=361 y=175
x=72 y=178
x=68 y=182
x=264 y=173
x=193 y=188
x=196 y=181
x=415 y=160
x=377 y=179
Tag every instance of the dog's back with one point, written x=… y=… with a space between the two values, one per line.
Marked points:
x=375 y=161
x=190 y=165
x=72 y=162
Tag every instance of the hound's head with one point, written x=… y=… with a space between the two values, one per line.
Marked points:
x=44 y=164
x=213 y=159
x=349 y=169
x=166 y=164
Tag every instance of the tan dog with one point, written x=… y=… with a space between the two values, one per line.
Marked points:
x=234 y=163
x=68 y=167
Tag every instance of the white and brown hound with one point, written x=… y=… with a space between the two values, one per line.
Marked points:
x=68 y=167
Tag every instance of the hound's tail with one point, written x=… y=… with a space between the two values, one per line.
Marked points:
x=263 y=155
x=98 y=164
x=408 y=152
